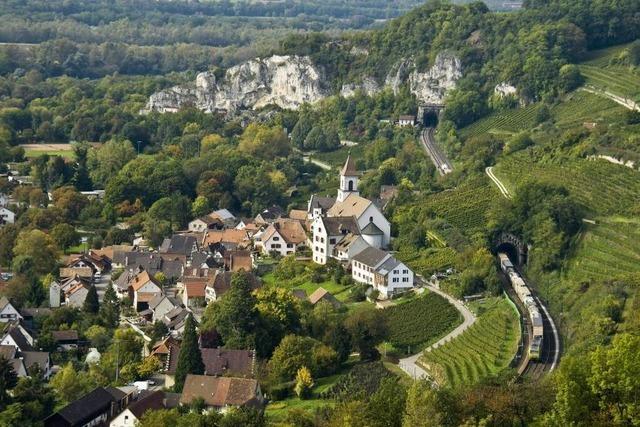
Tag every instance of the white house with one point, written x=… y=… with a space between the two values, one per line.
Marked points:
x=131 y=416
x=407 y=120
x=284 y=236
x=350 y=246
x=6 y=216
x=143 y=288
x=365 y=213
x=161 y=305
x=327 y=233
x=8 y=312
x=383 y=271
x=76 y=295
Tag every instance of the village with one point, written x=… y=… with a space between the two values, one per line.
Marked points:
x=173 y=284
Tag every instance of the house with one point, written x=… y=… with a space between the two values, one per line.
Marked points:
x=39 y=359
x=8 y=312
x=66 y=340
x=161 y=305
x=31 y=314
x=328 y=232
x=162 y=350
x=219 y=283
x=269 y=215
x=6 y=216
x=115 y=253
x=150 y=401
x=237 y=238
x=237 y=260
x=93 y=409
x=218 y=362
x=318 y=206
x=142 y=289
x=381 y=270
x=171 y=265
x=76 y=295
x=83 y=272
x=18 y=337
x=349 y=246
x=204 y=223
x=322 y=294
x=298 y=215
x=222 y=393
x=193 y=293
x=406 y=120
x=175 y=319
x=179 y=244
x=284 y=236
x=97 y=262
x=225 y=216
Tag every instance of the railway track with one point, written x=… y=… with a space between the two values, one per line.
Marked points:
x=441 y=162
x=550 y=349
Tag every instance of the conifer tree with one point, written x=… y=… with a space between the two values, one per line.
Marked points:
x=91 y=304
x=190 y=360
x=110 y=308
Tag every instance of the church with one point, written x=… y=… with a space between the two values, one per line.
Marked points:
x=347 y=221
x=353 y=230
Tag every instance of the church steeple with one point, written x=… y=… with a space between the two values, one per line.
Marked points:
x=348 y=180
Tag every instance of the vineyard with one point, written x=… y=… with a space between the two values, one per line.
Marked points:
x=609 y=249
x=466 y=206
x=574 y=110
x=601 y=187
x=485 y=349
x=503 y=122
x=421 y=321
x=428 y=261
x=615 y=79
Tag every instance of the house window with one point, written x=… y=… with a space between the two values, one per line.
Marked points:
x=370 y=219
x=332 y=241
x=395 y=280
x=405 y=271
x=350 y=185
x=276 y=238
x=405 y=279
x=322 y=240
x=321 y=250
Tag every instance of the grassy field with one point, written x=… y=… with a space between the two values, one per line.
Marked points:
x=485 y=349
x=337 y=290
x=603 y=188
x=609 y=249
x=277 y=411
x=420 y=322
x=337 y=157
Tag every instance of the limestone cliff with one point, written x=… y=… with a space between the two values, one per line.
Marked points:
x=290 y=81
x=286 y=81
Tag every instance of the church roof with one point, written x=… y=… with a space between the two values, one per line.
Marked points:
x=372 y=230
x=353 y=205
x=349 y=168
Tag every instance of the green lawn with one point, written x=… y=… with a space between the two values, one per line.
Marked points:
x=483 y=350
x=337 y=157
x=337 y=290
x=68 y=154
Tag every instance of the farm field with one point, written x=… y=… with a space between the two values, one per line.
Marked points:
x=608 y=249
x=602 y=188
x=485 y=349
x=420 y=322
x=35 y=150
x=503 y=122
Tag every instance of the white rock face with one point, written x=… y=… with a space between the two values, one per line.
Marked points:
x=505 y=89
x=290 y=81
x=369 y=86
x=286 y=81
x=431 y=87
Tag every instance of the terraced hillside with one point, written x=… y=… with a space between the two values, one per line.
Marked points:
x=574 y=110
x=485 y=349
x=601 y=71
x=601 y=187
x=608 y=249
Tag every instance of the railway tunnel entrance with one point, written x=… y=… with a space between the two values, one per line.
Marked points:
x=429 y=114
x=515 y=249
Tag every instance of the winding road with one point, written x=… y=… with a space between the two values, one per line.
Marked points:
x=409 y=364
x=427 y=138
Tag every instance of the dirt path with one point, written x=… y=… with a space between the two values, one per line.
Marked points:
x=409 y=364
x=626 y=103
x=500 y=185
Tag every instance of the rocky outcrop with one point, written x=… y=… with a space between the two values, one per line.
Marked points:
x=431 y=87
x=285 y=81
x=505 y=89
x=290 y=81
x=369 y=86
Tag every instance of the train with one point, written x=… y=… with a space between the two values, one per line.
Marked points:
x=526 y=298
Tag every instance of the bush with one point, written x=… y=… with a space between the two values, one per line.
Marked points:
x=281 y=391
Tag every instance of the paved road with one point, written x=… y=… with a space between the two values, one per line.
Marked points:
x=409 y=364
x=427 y=138
x=500 y=185
x=101 y=285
